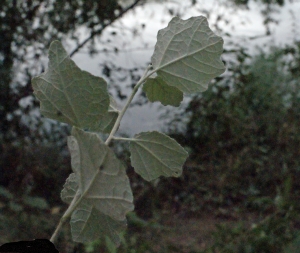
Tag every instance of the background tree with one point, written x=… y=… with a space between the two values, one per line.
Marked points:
x=26 y=30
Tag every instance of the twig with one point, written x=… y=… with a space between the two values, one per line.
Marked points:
x=121 y=114
x=99 y=31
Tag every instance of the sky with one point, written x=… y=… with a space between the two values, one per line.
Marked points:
x=136 y=50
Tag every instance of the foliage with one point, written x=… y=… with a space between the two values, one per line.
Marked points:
x=270 y=236
x=28 y=143
x=244 y=139
x=18 y=18
x=28 y=28
x=246 y=126
x=98 y=191
x=135 y=239
x=25 y=222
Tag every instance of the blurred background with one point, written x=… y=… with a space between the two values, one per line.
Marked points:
x=239 y=191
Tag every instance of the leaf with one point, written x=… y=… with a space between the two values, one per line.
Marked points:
x=108 y=121
x=154 y=154
x=111 y=247
x=187 y=54
x=36 y=202
x=70 y=189
x=101 y=176
x=87 y=223
x=157 y=89
x=113 y=106
x=6 y=193
x=15 y=207
x=294 y=245
x=70 y=95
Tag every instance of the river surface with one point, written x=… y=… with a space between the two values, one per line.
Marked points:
x=135 y=37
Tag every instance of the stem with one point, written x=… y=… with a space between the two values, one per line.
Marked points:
x=99 y=31
x=121 y=114
x=78 y=198
x=66 y=215
x=75 y=202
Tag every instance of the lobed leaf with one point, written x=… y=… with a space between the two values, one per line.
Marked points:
x=100 y=174
x=186 y=58
x=187 y=54
x=158 y=90
x=69 y=94
x=70 y=188
x=88 y=223
x=108 y=121
x=154 y=154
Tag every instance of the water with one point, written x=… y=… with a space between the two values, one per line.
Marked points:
x=136 y=46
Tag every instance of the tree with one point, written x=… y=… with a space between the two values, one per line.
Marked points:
x=27 y=28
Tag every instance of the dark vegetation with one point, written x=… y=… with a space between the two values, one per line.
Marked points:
x=239 y=191
x=244 y=139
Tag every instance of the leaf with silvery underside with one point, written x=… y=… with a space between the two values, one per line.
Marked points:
x=70 y=188
x=154 y=154
x=187 y=54
x=100 y=174
x=157 y=89
x=69 y=94
x=113 y=106
x=108 y=121
x=87 y=223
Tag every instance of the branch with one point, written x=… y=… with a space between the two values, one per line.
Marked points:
x=75 y=202
x=121 y=114
x=99 y=31
x=66 y=215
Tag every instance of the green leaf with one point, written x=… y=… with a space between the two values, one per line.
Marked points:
x=70 y=189
x=15 y=206
x=111 y=247
x=36 y=202
x=100 y=174
x=294 y=245
x=69 y=94
x=157 y=89
x=113 y=106
x=108 y=121
x=6 y=193
x=154 y=154
x=187 y=54
x=89 y=224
